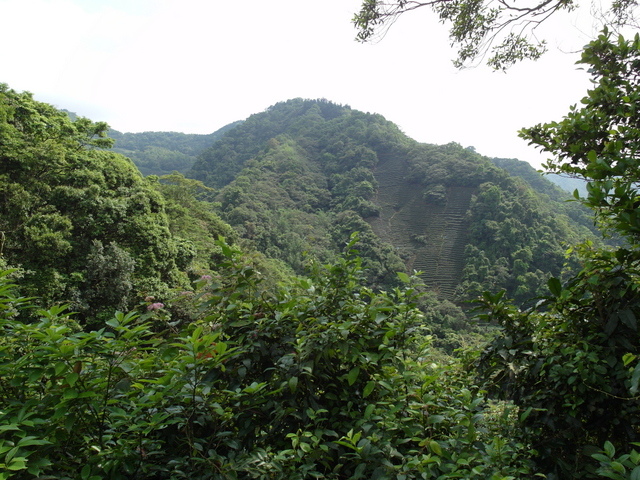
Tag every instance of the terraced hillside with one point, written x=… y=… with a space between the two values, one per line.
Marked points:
x=431 y=238
x=304 y=175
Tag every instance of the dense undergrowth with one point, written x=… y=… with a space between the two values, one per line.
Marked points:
x=321 y=378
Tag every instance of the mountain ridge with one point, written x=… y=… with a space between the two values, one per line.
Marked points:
x=261 y=160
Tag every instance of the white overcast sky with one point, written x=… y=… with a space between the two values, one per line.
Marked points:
x=194 y=66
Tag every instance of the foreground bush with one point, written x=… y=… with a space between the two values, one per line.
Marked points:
x=322 y=379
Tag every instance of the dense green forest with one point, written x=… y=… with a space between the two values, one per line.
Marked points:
x=536 y=181
x=293 y=304
x=304 y=174
x=162 y=153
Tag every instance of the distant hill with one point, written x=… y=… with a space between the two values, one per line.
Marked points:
x=539 y=181
x=534 y=178
x=304 y=174
x=161 y=153
x=569 y=184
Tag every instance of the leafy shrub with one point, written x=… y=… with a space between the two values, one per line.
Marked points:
x=322 y=378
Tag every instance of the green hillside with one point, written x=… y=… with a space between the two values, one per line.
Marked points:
x=161 y=153
x=304 y=174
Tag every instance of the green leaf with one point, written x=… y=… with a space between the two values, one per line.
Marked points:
x=628 y=318
x=635 y=380
x=30 y=440
x=618 y=467
x=601 y=458
x=221 y=347
x=609 y=449
x=404 y=278
x=352 y=376
x=368 y=388
x=293 y=384
x=71 y=379
x=628 y=358
x=85 y=472
x=635 y=474
x=113 y=322
x=196 y=334
x=525 y=414
x=555 y=287
x=435 y=447
x=18 y=463
x=70 y=393
x=369 y=410
x=435 y=419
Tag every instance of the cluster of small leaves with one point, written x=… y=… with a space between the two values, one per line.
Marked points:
x=565 y=366
x=476 y=26
x=622 y=467
x=600 y=141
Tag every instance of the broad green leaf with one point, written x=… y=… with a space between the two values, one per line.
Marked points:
x=628 y=358
x=30 y=440
x=435 y=447
x=404 y=278
x=221 y=347
x=113 y=322
x=293 y=384
x=435 y=419
x=618 y=467
x=635 y=380
x=555 y=287
x=525 y=414
x=609 y=449
x=628 y=318
x=70 y=393
x=352 y=376
x=17 y=463
x=368 y=388
x=196 y=334
x=71 y=379
x=369 y=410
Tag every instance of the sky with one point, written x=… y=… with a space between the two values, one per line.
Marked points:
x=194 y=66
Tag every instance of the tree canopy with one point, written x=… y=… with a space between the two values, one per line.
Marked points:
x=503 y=31
x=572 y=361
x=600 y=141
x=79 y=223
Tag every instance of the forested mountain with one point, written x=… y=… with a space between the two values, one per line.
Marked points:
x=161 y=153
x=304 y=174
x=543 y=183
